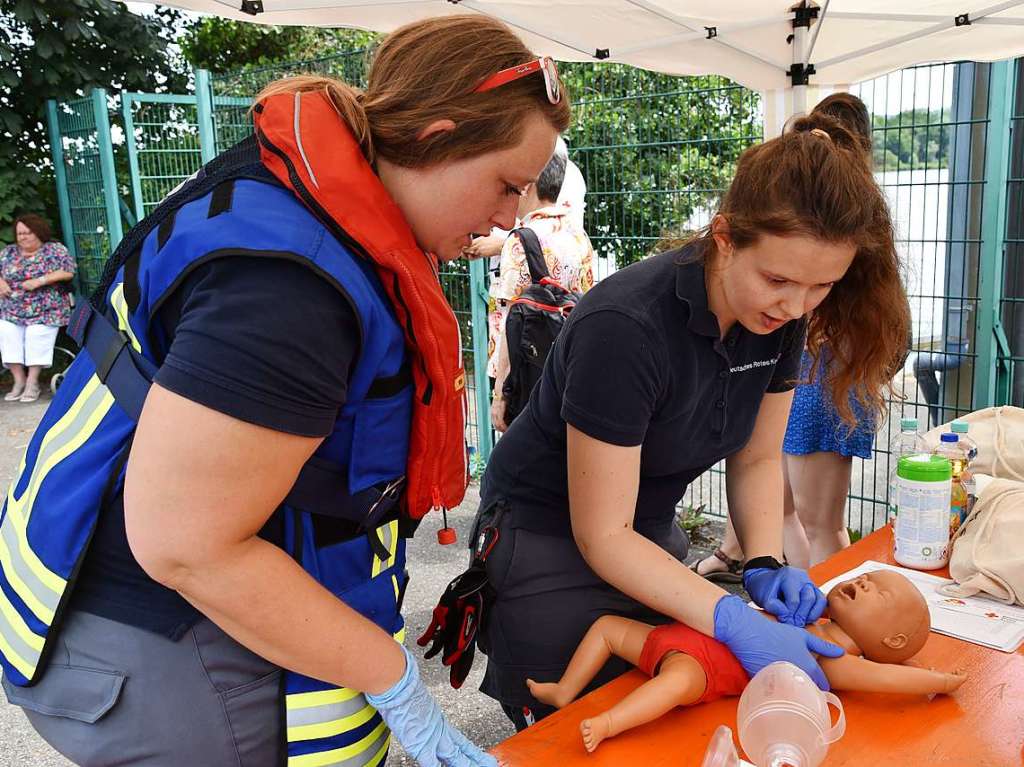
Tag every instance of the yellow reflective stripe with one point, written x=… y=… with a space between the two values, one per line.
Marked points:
x=339 y=755
x=120 y=307
x=19 y=561
x=319 y=698
x=400 y=636
x=394 y=582
x=15 y=633
x=333 y=727
x=389 y=535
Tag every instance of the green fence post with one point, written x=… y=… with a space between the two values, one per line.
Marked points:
x=127 y=99
x=106 y=150
x=988 y=328
x=204 y=116
x=478 y=303
x=61 y=176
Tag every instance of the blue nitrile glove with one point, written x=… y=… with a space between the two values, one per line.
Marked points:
x=757 y=641
x=417 y=722
x=786 y=593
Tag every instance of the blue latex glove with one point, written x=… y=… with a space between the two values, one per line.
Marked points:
x=788 y=594
x=416 y=721
x=757 y=641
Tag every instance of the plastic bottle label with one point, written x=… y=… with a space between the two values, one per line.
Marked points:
x=922 y=526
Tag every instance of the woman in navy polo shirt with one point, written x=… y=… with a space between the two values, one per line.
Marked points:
x=667 y=367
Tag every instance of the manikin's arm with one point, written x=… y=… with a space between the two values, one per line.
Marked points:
x=852 y=672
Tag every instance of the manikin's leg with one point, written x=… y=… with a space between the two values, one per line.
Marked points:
x=680 y=680
x=609 y=635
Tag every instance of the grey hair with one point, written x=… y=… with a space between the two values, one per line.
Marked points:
x=549 y=183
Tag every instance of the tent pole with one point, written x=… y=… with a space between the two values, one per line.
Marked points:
x=798 y=104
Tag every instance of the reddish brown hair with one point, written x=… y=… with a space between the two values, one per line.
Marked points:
x=815 y=181
x=427 y=71
x=38 y=225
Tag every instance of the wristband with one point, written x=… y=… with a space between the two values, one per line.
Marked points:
x=769 y=562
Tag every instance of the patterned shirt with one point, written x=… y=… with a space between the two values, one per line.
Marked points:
x=569 y=257
x=48 y=305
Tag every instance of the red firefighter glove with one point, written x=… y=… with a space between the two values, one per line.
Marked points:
x=455 y=622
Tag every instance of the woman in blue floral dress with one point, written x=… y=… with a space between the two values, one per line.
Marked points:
x=33 y=303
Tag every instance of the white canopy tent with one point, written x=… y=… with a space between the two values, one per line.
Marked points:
x=769 y=45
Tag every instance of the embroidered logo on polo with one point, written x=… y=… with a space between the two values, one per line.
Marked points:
x=756 y=364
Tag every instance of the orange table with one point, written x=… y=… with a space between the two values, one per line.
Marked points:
x=981 y=725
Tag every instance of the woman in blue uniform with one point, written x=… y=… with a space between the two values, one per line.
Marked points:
x=221 y=583
x=665 y=368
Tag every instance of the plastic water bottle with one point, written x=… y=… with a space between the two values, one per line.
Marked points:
x=907 y=442
x=962 y=486
x=961 y=428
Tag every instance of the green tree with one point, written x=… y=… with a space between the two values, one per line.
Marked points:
x=656 y=151
x=915 y=139
x=59 y=49
x=223 y=45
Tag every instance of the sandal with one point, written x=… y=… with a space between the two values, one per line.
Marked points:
x=733 y=572
x=31 y=394
x=14 y=394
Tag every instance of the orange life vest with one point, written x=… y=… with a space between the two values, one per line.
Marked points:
x=310 y=148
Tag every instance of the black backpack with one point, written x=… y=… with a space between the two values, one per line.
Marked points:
x=534 y=321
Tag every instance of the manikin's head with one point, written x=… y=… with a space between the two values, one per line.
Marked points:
x=883 y=614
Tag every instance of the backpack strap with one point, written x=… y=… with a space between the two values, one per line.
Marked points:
x=534 y=253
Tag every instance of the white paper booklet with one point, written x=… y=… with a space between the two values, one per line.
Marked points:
x=975 y=619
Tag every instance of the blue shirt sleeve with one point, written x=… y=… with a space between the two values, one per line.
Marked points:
x=264 y=340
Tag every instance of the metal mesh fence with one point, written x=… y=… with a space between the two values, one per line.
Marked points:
x=930 y=130
x=162 y=137
x=656 y=151
x=1012 y=304
x=76 y=121
x=233 y=92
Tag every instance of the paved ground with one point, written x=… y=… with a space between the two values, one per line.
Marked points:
x=432 y=567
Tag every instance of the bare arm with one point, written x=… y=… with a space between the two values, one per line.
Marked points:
x=199 y=487
x=50 y=278
x=503 y=366
x=485 y=247
x=852 y=672
x=604 y=481
x=754 y=481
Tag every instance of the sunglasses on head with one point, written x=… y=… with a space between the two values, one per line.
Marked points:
x=544 y=64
